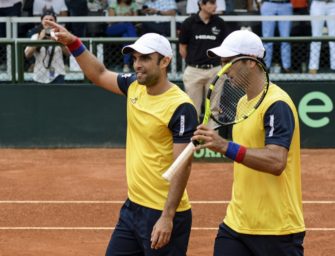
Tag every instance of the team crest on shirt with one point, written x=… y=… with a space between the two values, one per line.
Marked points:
x=133 y=100
x=215 y=30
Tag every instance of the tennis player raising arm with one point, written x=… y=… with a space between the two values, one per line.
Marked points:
x=160 y=122
x=264 y=216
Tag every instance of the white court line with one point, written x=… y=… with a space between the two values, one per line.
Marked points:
x=121 y=202
x=112 y=228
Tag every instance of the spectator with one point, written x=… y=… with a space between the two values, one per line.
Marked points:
x=241 y=5
x=158 y=7
x=277 y=7
x=27 y=8
x=321 y=8
x=181 y=7
x=192 y=6
x=96 y=8
x=198 y=33
x=7 y=8
x=77 y=8
x=57 y=6
x=41 y=6
x=124 y=29
x=49 y=62
x=300 y=28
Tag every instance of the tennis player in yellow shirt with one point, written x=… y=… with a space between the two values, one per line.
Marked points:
x=156 y=218
x=264 y=216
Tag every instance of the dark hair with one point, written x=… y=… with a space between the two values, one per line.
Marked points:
x=49 y=12
x=204 y=2
x=46 y=12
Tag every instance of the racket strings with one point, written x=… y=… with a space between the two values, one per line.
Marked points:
x=229 y=101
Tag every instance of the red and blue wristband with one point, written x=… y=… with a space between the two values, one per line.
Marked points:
x=235 y=152
x=76 y=47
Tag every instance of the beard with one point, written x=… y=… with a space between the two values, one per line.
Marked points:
x=148 y=80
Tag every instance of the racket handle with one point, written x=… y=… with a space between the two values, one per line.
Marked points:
x=181 y=159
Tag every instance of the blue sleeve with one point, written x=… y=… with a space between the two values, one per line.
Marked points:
x=183 y=123
x=124 y=81
x=279 y=124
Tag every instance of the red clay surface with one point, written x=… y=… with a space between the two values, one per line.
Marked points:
x=65 y=202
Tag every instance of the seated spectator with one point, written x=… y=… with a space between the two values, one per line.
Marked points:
x=244 y=7
x=124 y=29
x=158 y=7
x=181 y=7
x=49 y=62
x=57 y=6
x=233 y=6
x=41 y=6
x=77 y=8
x=7 y=8
x=97 y=8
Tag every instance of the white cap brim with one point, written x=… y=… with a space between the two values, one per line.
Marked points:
x=137 y=48
x=220 y=52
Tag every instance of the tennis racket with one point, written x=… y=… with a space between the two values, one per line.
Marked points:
x=234 y=94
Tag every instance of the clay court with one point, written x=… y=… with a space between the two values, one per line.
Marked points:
x=66 y=201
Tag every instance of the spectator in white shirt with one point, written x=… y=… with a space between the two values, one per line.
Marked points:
x=57 y=6
x=49 y=62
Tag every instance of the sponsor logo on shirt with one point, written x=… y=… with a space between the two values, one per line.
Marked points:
x=215 y=30
x=182 y=125
x=205 y=37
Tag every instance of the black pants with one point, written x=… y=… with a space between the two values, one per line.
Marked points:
x=133 y=231
x=230 y=243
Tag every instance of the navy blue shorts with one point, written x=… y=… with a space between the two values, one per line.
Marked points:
x=230 y=243
x=133 y=232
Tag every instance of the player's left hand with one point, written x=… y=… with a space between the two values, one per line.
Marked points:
x=161 y=232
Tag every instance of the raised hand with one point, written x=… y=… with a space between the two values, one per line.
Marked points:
x=60 y=34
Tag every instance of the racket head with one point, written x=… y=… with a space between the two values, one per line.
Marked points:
x=237 y=91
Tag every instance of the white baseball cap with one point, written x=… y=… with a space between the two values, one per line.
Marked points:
x=150 y=43
x=239 y=42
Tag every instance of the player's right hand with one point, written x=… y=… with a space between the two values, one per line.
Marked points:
x=60 y=34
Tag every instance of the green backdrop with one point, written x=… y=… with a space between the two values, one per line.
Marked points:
x=86 y=116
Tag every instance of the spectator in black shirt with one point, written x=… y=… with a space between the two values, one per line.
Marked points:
x=198 y=33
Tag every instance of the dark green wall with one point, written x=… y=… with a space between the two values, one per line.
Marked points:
x=87 y=116
x=60 y=116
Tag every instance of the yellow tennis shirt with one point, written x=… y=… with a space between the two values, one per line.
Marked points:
x=264 y=204
x=150 y=144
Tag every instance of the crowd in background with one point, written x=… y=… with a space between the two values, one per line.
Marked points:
x=131 y=7
x=188 y=8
